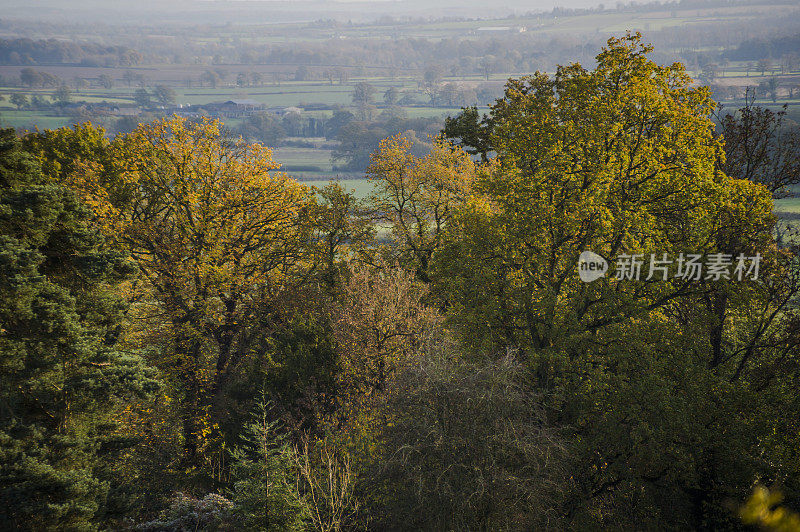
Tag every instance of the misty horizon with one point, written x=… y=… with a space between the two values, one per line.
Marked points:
x=274 y=11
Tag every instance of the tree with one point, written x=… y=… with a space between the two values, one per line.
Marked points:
x=19 y=99
x=329 y=480
x=390 y=96
x=789 y=62
x=432 y=75
x=212 y=512
x=488 y=66
x=759 y=147
x=343 y=229
x=38 y=102
x=772 y=88
x=417 y=196
x=219 y=237
x=264 y=128
x=525 y=126
x=709 y=73
x=142 y=98
x=469 y=131
x=363 y=93
x=61 y=375
x=30 y=77
x=336 y=122
x=165 y=95
x=377 y=323
x=621 y=160
x=357 y=141
x=63 y=152
x=265 y=491
x=105 y=81
x=210 y=77
x=466 y=446
x=764 y=65
x=293 y=124
x=302 y=73
x=62 y=95
x=129 y=77
x=407 y=99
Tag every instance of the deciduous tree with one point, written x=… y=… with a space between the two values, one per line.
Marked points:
x=218 y=235
x=417 y=195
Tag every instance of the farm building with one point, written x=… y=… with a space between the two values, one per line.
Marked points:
x=234 y=108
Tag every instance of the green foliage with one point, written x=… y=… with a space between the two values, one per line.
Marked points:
x=497 y=391
x=16 y=165
x=615 y=160
x=391 y=95
x=666 y=388
x=363 y=93
x=342 y=228
x=302 y=370
x=60 y=375
x=62 y=94
x=264 y=128
x=19 y=99
x=357 y=140
x=265 y=489
x=165 y=95
x=47 y=482
x=61 y=152
x=470 y=131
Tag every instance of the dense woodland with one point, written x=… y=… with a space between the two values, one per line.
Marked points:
x=190 y=339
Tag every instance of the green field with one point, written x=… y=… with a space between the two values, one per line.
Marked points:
x=10 y=117
x=788 y=205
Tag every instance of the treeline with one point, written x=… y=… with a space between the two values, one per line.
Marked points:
x=774 y=48
x=54 y=51
x=192 y=340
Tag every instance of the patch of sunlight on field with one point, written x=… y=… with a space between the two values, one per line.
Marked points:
x=787 y=205
x=303 y=159
x=27 y=119
x=361 y=188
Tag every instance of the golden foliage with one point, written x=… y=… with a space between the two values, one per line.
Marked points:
x=416 y=196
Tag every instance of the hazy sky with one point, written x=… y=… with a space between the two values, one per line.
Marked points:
x=260 y=11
